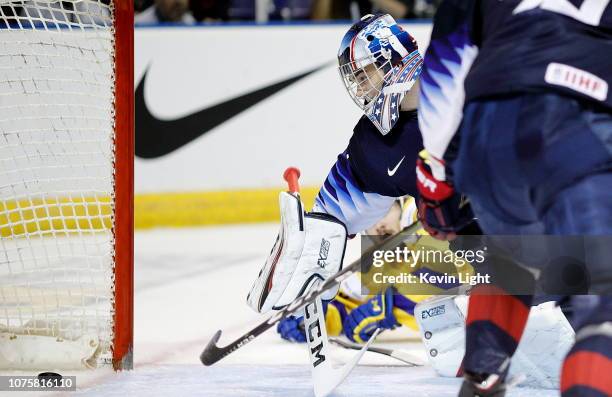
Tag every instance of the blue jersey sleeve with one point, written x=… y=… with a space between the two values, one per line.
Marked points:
x=371 y=173
x=448 y=59
x=341 y=197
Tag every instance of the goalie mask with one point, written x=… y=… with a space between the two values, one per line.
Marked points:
x=379 y=62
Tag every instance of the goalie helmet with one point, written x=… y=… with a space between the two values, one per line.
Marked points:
x=379 y=62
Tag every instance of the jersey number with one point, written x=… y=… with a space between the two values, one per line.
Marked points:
x=589 y=12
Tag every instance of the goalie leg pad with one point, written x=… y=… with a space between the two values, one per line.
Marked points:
x=309 y=248
x=441 y=321
x=547 y=338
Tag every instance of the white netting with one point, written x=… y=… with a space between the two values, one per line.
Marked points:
x=56 y=169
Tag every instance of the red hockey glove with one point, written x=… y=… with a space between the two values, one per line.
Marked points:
x=442 y=210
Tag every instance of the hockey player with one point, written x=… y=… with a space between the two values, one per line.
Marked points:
x=516 y=112
x=379 y=65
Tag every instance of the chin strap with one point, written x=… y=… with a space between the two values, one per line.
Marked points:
x=399 y=88
x=384 y=113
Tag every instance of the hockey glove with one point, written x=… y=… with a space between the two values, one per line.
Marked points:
x=292 y=329
x=442 y=210
x=361 y=323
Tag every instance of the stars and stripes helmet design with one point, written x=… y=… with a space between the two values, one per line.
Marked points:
x=379 y=62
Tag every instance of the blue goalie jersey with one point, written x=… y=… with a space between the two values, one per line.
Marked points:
x=371 y=173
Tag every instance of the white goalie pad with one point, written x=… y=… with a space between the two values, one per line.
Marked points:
x=309 y=247
x=442 y=324
x=547 y=338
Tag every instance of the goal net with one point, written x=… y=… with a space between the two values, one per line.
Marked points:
x=66 y=117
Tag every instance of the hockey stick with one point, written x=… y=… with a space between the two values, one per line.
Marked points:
x=213 y=353
x=398 y=354
x=325 y=377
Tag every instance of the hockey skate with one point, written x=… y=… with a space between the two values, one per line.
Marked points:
x=482 y=385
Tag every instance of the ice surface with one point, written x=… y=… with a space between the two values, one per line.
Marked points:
x=191 y=282
x=277 y=380
x=271 y=381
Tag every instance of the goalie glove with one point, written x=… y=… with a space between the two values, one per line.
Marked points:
x=376 y=313
x=309 y=248
x=441 y=210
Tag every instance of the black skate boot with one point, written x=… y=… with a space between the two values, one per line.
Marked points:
x=482 y=385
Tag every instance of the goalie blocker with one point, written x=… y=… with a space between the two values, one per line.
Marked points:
x=309 y=247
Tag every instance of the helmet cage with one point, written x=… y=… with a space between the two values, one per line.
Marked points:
x=365 y=78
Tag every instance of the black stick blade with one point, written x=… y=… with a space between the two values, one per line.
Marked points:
x=211 y=353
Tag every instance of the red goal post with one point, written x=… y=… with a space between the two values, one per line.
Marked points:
x=124 y=182
x=66 y=184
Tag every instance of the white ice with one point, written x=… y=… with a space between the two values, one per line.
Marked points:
x=191 y=282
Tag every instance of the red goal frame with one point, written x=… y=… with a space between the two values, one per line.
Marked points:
x=123 y=317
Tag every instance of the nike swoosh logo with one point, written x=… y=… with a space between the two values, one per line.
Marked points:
x=156 y=138
x=392 y=172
